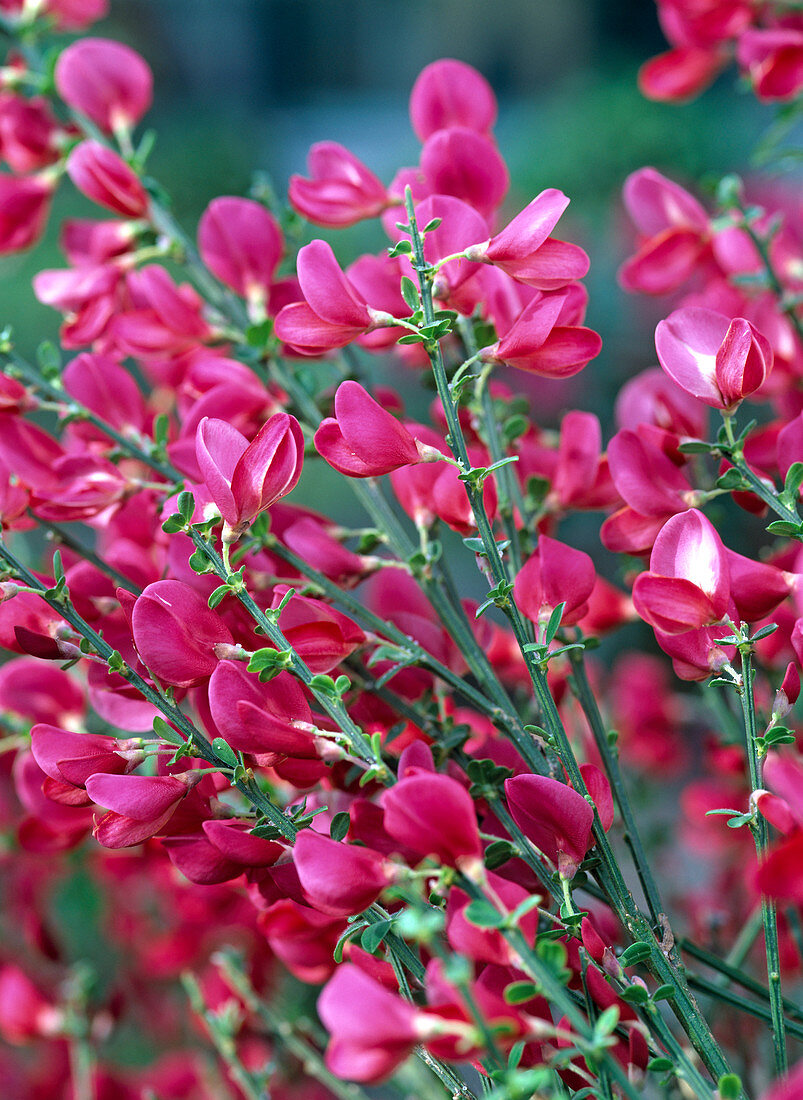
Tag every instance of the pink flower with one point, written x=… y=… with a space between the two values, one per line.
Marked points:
x=554 y=574
x=675 y=233
x=463 y=163
x=525 y=250
x=773 y=60
x=681 y=73
x=451 y=93
x=372 y=1031
x=435 y=816
x=175 y=633
x=245 y=478
x=688 y=585
x=333 y=313
x=241 y=243
x=339 y=878
x=788 y=1087
x=106 y=81
x=341 y=192
x=262 y=718
x=554 y=817
x=105 y=178
x=365 y=440
x=24 y=208
x=717 y=360
x=539 y=343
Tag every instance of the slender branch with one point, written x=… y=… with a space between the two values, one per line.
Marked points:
x=760 y=831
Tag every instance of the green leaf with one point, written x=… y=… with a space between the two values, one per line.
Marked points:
x=607 y=1021
x=349 y=933
x=518 y=992
x=173 y=524
x=729 y=1086
x=165 y=732
x=185 y=503
x=257 y=336
x=49 y=359
x=482 y=914
x=732 y=480
x=340 y=825
x=218 y=595
x=765 y=632
x=374 y=934
x=428 y=228
x=409 y=292
x=660 y=1065
x=664 y=993
x=793 y=480
x=636 y=953
x=740 y=820
x=401 y=248
x=784 y=528
x=411 y=338
x=696 y=447
x=635 y=995
x=498 y=853
x=554 y=622
x=199 y=563
x=779 y=735
x=225 y=752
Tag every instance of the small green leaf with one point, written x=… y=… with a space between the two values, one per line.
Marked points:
x=482 y=914
x=374 y=934
x=740 y=820
x=732 y=480
x=729 y=1086
x=428 y=228
x=411 y=338
x=636 y=953
x=401 y=248
x=218 y=595
x=409 y=292
x=165 y=732
x=518 y=992
x=635 y=995
x=498 y=853
x=784 y=528
x=607 y=1021
x=664 y=993
x=765 y=632
x=696 y=447
x=660 y=1065
x=793 y=480
x=554 y=622
x=225 y=752
x=340 y=825
x=173 y=524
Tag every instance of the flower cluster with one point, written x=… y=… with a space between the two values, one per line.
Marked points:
x=276 y=744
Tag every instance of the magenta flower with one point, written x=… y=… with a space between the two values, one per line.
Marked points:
x=241 y=243
x=105 y=178
x=106 y=81
x=176 y=633
x=554 y=574
x=333 y=312
x=717 y=360
x=450 y=93
x=554 y=817
x=674 y=229
x=339 y=878
x=342 y=191
x=773 y=60
x=435 y=816
x=463 y=163
x=688 y=585
x=372 y=1031
x=541 y=341
x=365 y=440
x=262 y=718
x=24 y=208
x=245 y=478
x=525 y=250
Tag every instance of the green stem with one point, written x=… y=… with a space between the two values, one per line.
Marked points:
x=738 y=977
x=387 y=629
x=357 y=740
x=735 y=1000
x=760 y=832
x=20 y=368
x=173 y=713
x=609 y=873
x=610 y=761
x=230 y=966
x=777 y=287
x=252 y=1087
